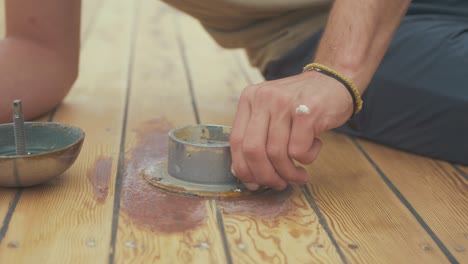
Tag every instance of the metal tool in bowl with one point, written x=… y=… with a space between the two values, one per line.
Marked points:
x=32 y=153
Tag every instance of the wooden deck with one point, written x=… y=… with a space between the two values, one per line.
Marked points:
x=146 y=68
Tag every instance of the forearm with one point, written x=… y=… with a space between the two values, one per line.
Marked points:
x=38 y=76
x=357 y=36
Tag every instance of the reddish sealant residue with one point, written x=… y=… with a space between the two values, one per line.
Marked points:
x=147 y=206
x=267 y=205
x=99 y=177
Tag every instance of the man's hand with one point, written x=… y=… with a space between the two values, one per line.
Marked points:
x=269 y=134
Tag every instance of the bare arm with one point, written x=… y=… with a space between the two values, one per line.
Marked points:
x=39 y=55
x=357 y=36
x=268 y=134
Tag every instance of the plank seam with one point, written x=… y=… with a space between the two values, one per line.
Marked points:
x=222 y=230
x=121 y=162
x=9 y=215
x=406 y=203
x=323 y=222
x=462 y=173
x=91 y=22
x=186 y=69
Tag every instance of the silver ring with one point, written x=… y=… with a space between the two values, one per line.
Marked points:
x=302 y=109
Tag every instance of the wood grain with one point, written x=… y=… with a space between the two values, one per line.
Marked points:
x=464 y=169
x=369 y=222
x=269 y=228
x=89 y=12
x=155 y=226
x=64 y=220
x=434 y=188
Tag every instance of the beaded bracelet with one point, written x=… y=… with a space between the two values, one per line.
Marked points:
x=357 y=101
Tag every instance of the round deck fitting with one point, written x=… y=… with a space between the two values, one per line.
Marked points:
x=51 y=148
x=199 y=164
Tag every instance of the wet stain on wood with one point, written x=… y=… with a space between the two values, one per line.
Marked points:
x=99 y=177
x=146 y=205
x=267 y=205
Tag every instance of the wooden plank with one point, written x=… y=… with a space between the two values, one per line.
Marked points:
x=69 y=219
x=464 y=169
x=156 y=226
x=90 y=10
x=435 y=189
x=368 y=221
x=279 y=227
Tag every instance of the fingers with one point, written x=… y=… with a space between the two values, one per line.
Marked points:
x=267 y=137
x=239 y=166
x=303 y=146
x=255 y=150
x=277 y=150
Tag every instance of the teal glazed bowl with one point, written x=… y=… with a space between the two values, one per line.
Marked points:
x=52 y=149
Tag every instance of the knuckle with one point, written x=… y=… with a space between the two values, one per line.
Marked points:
x=274 y=151
x=264 y=92
x=245 y=94
x=252 y=150
x=283 y=100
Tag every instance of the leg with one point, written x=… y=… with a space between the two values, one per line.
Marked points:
x=418 y=98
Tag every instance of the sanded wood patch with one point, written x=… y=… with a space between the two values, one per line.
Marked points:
x=154 y=225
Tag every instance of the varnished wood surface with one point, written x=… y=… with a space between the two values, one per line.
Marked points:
x=435 y=190
x=154 y=225
x=368 y=221
x=147 y=68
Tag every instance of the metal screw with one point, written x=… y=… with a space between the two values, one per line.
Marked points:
x=426 y=247
x=203 y=245
x=18 y=119
x=459 y=248
x=91 y=243
x=242 y=246
x=130 y=244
